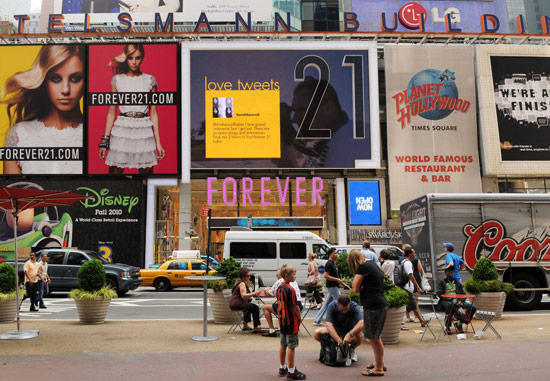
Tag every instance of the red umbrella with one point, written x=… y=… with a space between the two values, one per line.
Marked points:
x=15 y=200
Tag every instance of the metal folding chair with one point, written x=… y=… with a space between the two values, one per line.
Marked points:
x=435 y=316
x=489 y=316
x=238 y=316
x=308 y=302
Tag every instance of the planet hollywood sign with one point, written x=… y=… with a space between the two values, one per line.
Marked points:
x=491 y=236
x=412 y=16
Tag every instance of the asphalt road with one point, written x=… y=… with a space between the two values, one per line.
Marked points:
x=147 y=304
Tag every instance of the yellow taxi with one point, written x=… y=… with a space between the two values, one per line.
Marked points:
x=172 y=274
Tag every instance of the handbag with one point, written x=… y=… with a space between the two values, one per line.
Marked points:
x=424 y=283
x=310 y=280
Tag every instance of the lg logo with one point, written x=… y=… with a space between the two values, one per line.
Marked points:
x=410 y=15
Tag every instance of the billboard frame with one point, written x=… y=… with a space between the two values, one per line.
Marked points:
x=371 y=48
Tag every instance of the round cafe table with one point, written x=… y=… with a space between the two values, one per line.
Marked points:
x=205 y=280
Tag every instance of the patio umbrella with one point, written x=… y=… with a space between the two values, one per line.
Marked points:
x=15 y=200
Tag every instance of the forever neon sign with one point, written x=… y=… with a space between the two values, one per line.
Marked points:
x=230 y=186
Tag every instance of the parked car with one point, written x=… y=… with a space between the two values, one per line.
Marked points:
x=172 y=274
x=63 y=265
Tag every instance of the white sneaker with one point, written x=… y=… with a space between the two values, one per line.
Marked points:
x=353 y=355
x=318 y=324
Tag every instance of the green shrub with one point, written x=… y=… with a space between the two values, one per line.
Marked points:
x=355 y=297
x=396 y=297
x=508 y=288
x=343 y=266
x=347 y=280
x=472 y=286
x=491 y=286
x=388 y=284
x=91 y=276
x=7 y=278
x=485 y=270
x=228 y=268
x=106 y=293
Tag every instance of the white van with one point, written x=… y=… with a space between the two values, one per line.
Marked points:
x=264 y=252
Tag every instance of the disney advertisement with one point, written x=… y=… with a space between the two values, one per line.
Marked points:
x=282 y=105
x=133 y=109
x=111 y=221
x=431 y=119
x=41 y=109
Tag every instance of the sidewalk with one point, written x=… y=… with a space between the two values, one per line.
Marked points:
x=163 y=349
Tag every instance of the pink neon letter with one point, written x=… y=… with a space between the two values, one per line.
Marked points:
x=264 y=190
x=247 y=187
x=299 y=190
x=234 y=200
x=282 y=196
x=209 y=189
x=315 y=193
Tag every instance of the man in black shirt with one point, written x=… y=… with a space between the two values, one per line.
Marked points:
x=332 y=282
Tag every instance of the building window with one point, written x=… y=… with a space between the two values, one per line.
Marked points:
x=524 y=185
x=320 y=16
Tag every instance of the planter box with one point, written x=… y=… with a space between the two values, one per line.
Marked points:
x=92 y=311
x=220 y=308
x=488 y=301
x=392 y=327
x=8 y=311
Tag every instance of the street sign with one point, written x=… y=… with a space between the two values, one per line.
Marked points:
x=205 y=211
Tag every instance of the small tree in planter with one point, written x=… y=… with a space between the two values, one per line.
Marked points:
x=397 y=299
x=229 y=269
x=485 y=284
x=8 y=296
x=343 y=269
x=92 y=298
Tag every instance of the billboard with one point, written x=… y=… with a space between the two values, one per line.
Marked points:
x=431 y=119
x=280 y=105
x=42 y=88
x=133 y=98
x=112 y=221
x=219 y=10
x=144 y=10
x=464 y=14
x=364 y=203
x=514 y=91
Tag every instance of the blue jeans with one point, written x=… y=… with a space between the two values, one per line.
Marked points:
x=43 y=289
x=333 y=294
x=450 y=310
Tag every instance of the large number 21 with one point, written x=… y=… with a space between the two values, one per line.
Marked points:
x=356 y=63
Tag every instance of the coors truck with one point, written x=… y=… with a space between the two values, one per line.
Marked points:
x=512 y=230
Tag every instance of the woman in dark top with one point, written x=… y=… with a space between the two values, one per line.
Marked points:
x=369 y=282
x=241 y=300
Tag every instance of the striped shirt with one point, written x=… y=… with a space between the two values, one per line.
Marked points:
x=289 y=321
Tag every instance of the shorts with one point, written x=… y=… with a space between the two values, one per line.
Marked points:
x=374 y=322
x=411 y=304
x=289 y=340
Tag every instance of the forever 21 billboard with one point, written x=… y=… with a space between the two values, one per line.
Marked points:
x=111 y=220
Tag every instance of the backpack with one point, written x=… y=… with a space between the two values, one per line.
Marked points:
x=400 y=278
x=333 y=354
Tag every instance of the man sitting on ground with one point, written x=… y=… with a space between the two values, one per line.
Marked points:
x=270 y=309
x=344 y=324
x=450 y=286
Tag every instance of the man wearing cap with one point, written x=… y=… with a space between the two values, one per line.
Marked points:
x=450 y=286
x=451 y=259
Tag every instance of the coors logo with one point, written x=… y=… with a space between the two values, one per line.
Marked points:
x=489 y=239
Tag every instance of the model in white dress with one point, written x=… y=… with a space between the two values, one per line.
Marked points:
x=35 y=134
x=132 y=141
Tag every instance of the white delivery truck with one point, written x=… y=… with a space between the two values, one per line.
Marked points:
x=512 y=230
x=264 y=252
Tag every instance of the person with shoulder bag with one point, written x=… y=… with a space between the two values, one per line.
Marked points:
x=313 y=281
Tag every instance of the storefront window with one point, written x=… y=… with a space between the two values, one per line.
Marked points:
x=535 y=185
x=166 y=222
